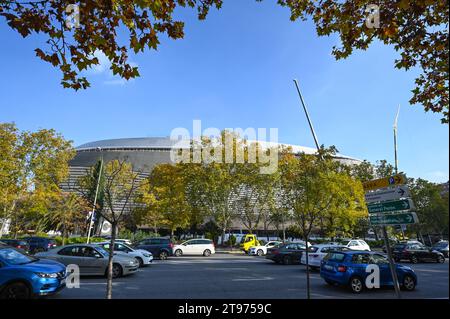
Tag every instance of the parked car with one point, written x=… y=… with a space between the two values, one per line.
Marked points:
x=118 y=240
x=202 y=247
x=356 y=244
x=23 y=276
x=416 y=253
x=39 y=244
x=262 y=249
x=348 y=268
x=143 y=257
x=286 y=254
x=162 y=248
x=17 y=243
x=442 y=247
x=318 y=252
x=92 y=260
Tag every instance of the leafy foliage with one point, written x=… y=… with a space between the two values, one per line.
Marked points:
x=72 y=47
x=417 y=29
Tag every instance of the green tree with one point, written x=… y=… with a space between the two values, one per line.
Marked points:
x=431 y=207
x=32 y=167
x=313 y=187
x=74 y=39
x=67 y=214
x=418 y=30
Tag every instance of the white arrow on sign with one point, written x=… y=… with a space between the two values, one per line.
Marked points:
x=388 y=194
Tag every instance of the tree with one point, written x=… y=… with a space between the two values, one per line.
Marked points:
x=417 y=29
x=431 y=207
x=32 y=167
x=76 y=34
x=121 y=184
x=67 y=214
x=312 y=187
x=168 y=192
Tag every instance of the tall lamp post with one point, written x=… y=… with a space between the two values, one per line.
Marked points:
x=91 y=222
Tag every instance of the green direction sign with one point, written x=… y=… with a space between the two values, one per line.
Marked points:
x=394 y=219
x=393 y=206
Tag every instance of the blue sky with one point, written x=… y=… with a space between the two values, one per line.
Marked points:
x=235 y=70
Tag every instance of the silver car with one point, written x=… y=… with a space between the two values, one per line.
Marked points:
x=91 y=259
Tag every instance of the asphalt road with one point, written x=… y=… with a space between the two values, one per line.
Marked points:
x=243 y=277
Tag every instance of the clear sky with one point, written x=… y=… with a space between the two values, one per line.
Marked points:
x=235 y=70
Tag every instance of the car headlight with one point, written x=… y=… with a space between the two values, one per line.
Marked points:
x=132 y=262
x=147 y=255
x=44 y=275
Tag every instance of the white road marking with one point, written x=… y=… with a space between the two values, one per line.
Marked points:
x=254 y=279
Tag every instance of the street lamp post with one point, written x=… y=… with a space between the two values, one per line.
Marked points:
x=91 y=222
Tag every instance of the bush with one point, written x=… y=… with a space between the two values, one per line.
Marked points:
x=137 y=236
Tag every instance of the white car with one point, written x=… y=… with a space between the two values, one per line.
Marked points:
x=318 y=252
x=201 y=247
x=262 y=250
x=356 y=244
x=143 y=257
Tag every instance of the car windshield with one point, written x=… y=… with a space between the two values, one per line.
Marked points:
x=345 y=242
x=15 y=257
x=401 y=246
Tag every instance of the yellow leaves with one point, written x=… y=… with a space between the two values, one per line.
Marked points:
x=391 y=31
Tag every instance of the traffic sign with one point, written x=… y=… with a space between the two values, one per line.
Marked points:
x=394 y=219
x=398 y=179
x=388 y=194
x=393 y=206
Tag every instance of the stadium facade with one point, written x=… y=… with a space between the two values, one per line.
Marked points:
x=144 y=154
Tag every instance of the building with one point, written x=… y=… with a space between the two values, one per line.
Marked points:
x=144 y=154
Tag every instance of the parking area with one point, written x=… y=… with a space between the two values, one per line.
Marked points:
x=226 y=276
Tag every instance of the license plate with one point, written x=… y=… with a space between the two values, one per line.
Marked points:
x=328 y=267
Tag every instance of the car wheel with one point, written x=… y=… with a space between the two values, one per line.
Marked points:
x=260 y=253
x=207 y=253
x=17 y=291
x=163 y=255
x=178 y=253
x=440 y=259
x=140 y=262
x=287 y=260
x=356 y=285
x=409 y=283
x=414 y=259
x=117 y=271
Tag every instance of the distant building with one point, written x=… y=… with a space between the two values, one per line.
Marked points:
x=144 y=154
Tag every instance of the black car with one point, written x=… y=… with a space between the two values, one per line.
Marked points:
x=416 y=253
x=161 y=248
x=17 y=243
x=287 y=254
x=442 y=247
x=40 y=244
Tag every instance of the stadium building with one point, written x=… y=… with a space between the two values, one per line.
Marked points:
x=144 y=154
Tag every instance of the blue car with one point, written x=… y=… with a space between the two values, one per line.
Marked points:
x=23 y=276
x=348 y=268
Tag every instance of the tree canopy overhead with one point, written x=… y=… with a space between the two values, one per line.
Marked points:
x=418 y=30
x=76 y=33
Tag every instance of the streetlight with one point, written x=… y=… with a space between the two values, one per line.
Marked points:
x=96 y=196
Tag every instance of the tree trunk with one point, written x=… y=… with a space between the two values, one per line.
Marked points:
x=308 y=281
x=223 y=236
x=110 y=261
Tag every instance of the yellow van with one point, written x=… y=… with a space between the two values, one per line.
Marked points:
x=249 y=241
